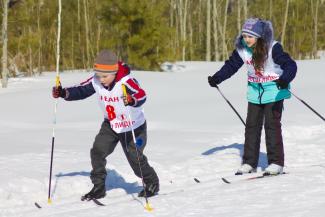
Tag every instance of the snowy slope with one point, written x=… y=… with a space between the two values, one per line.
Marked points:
x=192 y=133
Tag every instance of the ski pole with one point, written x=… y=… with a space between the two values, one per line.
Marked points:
x=231 y=106
x=57 y=84
x=313 y=110
x=137 y=143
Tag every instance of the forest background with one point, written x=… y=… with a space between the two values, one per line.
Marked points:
x=146 y=33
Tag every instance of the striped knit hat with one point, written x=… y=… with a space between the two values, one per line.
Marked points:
x=106 y=61
x=253 y=27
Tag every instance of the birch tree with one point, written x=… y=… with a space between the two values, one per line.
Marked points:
x=215 y=30
x=224 y=45
x=314 y=7
x=4 y=80
x=182 y=13
x=285 y=22
x=208 y=37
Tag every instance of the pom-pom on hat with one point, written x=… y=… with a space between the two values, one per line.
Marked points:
x=253 y=27
x=106 y=61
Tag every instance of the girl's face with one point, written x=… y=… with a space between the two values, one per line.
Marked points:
x=105 y=78
x=249 y=40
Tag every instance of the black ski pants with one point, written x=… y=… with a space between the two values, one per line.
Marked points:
x=105 y=143
x=270 y=114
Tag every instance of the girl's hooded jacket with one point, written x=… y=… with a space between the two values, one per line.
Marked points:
x=261 y=86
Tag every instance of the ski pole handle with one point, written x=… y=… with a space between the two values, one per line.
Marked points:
x=57 y=81
x=124 y=90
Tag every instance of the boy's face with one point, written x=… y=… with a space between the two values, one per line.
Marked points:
x=105 y=78
x=249 y=40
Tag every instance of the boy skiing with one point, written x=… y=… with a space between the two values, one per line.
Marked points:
x=110 y=75
x=270 y=70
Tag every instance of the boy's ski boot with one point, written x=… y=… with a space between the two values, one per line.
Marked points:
x=98 y=191
x=149 y=190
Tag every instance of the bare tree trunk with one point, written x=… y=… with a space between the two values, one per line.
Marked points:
x=238 y=16
x=182 y=11
x=270 y=9
x=72 y=47
x=40 y=38
x=315 y=19
x=208 y=39
x=199 y=22
x=224 y=45
x=215 y=31
x=31 y=71
x=87 y=34
x=190 y=22
x=285 y=22
x=245 y=9
x=4 y=80
x=81 y=48
x=99 y=31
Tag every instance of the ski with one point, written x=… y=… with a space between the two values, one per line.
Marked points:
x=37 y=205
x=264 y=175
x=97 y=202
x=197 y=180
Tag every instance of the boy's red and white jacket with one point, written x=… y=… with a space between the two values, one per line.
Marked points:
x=111 y=99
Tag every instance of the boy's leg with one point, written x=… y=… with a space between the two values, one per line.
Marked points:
x=104 y=144
x=273 y=133
x=126 y=139
x=254 y=123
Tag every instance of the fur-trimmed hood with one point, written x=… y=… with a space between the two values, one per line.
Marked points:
x=267 y=35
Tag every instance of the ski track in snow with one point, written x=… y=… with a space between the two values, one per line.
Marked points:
x=192 y=133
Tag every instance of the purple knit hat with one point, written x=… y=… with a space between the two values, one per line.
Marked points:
x=253 y=27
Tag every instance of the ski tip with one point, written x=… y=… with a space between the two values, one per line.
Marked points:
x=225 y=180
x=37 y=205
x=97 y=202
x=198 y=181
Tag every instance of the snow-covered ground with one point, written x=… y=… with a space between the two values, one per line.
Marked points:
x=192 y=132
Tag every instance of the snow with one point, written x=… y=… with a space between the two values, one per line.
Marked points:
x=192 y=133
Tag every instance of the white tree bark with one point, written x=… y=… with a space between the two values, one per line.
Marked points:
x=208 y=36
x=224 y=45
x=270 y=9
x=285 y=22
x=4 y=80
x=182 y=12
x=315 y=19
x=87 y=34
x=215 y=30
x=238 y=16
x=245 y=9
x=40 y=37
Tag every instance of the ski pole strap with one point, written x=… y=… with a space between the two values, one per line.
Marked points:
x=313 y=110
x=231 y=106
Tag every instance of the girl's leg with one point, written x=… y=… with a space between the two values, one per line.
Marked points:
x=254 y=123
x=273 y=133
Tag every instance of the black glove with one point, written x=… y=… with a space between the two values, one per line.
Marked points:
x=59 y=92
x=213 y=81
x=128 y=100
x=281 y=84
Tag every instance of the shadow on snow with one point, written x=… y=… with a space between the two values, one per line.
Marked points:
x=262 y=161
x=113 y=181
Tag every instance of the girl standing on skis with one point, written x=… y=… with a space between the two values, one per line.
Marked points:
x=109 y=76
x=270 y=70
